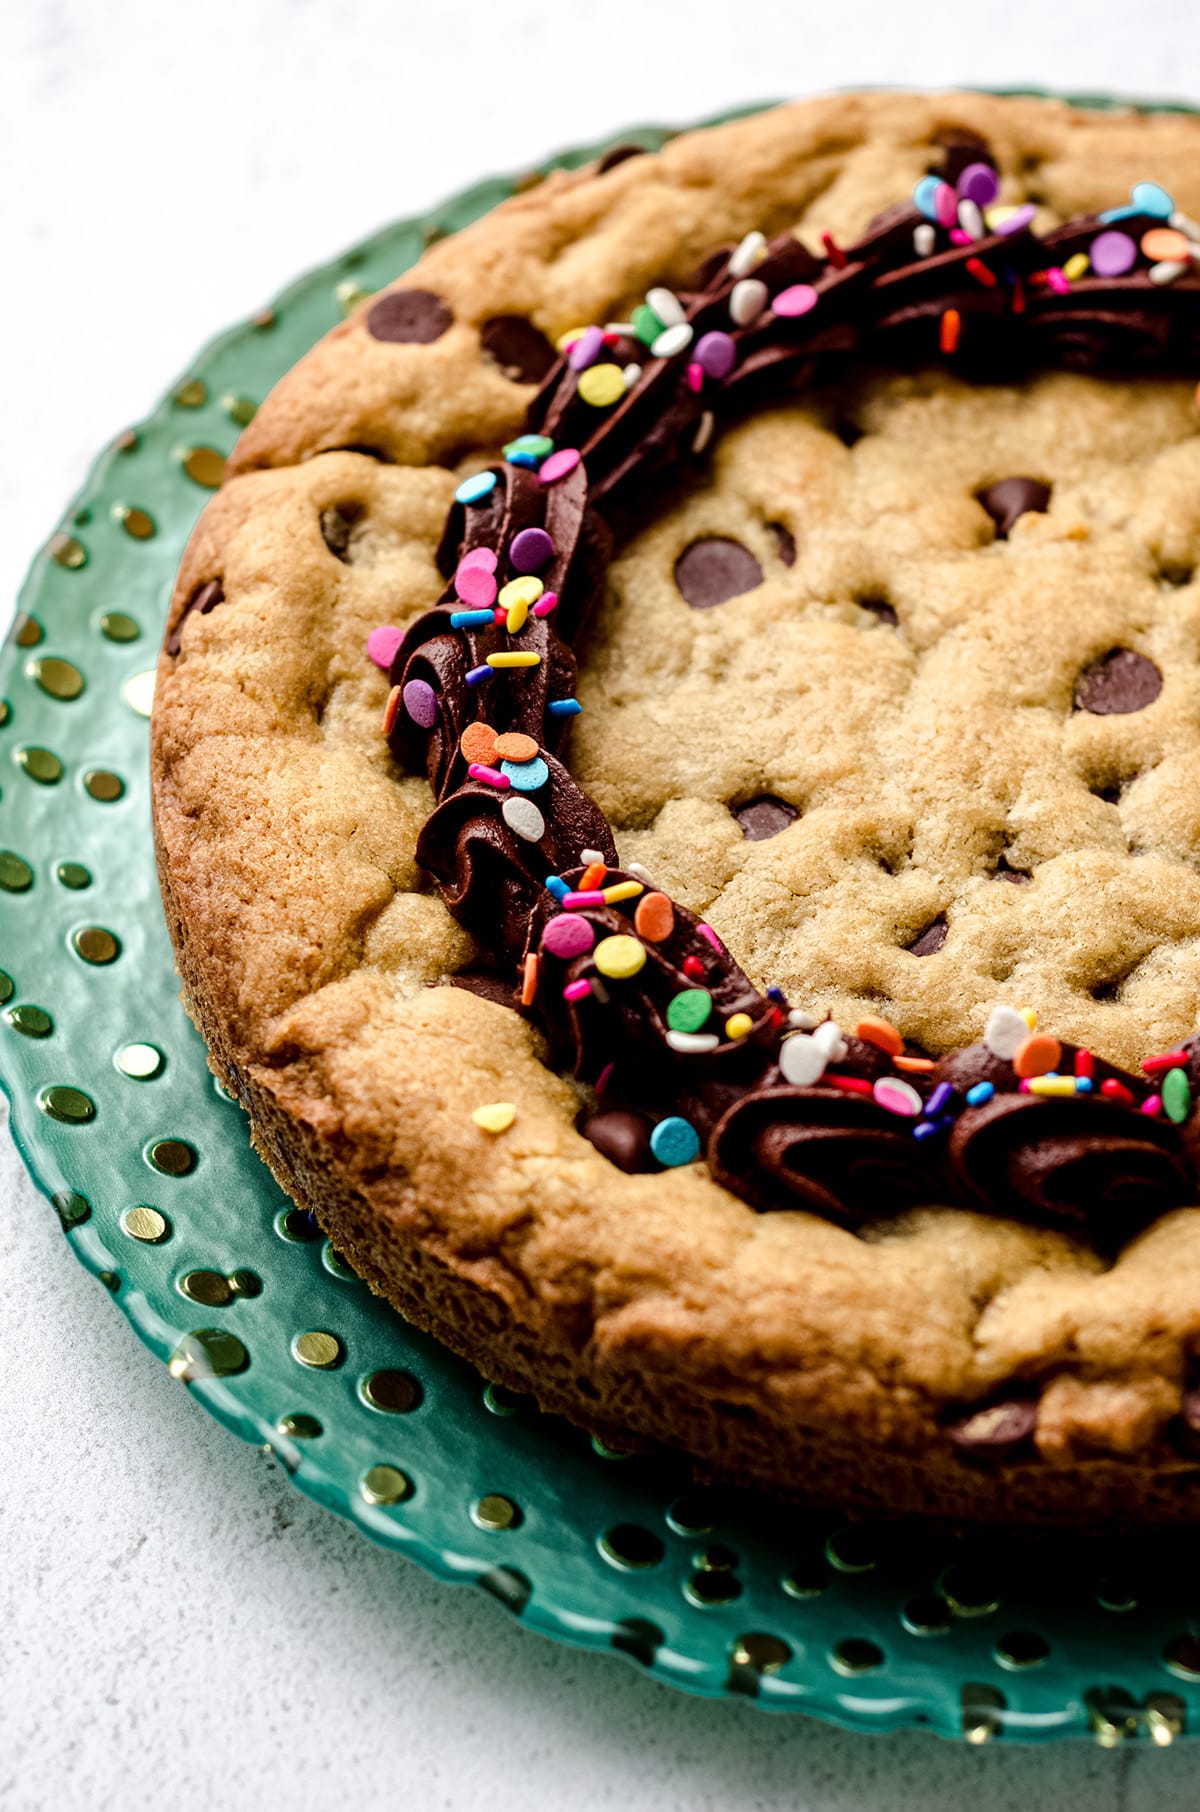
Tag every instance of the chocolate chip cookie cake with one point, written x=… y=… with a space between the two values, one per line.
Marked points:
x=677 y=789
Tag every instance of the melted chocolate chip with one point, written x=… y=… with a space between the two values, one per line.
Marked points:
x=996 y=1431
x=881 y=609
x=204 y=599
x=620 y=154
x=1009 y=499
x=336 y=524
x=521 y=350
x=960 y=149
x=415 y=316
x=785 y=542
x=712 y=571
x=488 y=987
x=765 y=817
x=1020 y=877
x=1122 y=682
x=931 y=939
x=622 y=1136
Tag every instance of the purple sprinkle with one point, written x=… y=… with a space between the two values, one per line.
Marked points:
x=1017 y=221
x=567 y=936
x=716 y=354
x=586 y=350
x=942 y=1093
x=478 y=674
x=980 y=184
x=1112 y=254
x=382 y=644
x=421 y=703
x=531 y=550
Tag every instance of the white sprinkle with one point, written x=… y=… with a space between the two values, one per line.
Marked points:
x=692 y=1043
x=1183 y=223
x=802 y=1020
x=1005 y=1032
x=631 y=374
x=970 y=219
x=802 y=1060
x=751 y=251
x=704 y=431
x=924 y=239
x=623 y=327
x=667 y=306
x=588 y=856
x=747 y=300
x=828 y=1035
x=599 y=991
x=1168 y=271
x=671 y=340
x=523 y=818
x=639 y=872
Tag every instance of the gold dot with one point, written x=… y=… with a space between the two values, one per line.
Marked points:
x=61 y=679
x=857 y=1655
x=145 y=1224
x=208 y=1353
x=264 y=320
x=96 y=945
x=192 y=395
x=1182 y=1656
x=103 y=785
x=385 y=1485
x=300 y=1426
x=16 y=876
x=138 y=692
x=351 y=295
x=31 y=1021
x=629 y=1545
x=765 y=1654
x=67 y=551
x=204 y=466
x=140 y=1061
x=239 y=409
x=209 y=1287
x=396 y=1392
x=495 y=1512
x=245 y=1283
x=69 y=1105
x=707 y=1588
x=115 y=626
x=174 y=1157
x=41 y=765
x=26 y=631
x=320 y=1350
x=127 y=442
x=135 y=522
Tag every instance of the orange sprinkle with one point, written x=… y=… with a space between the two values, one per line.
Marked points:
x=391 y=710
x=1038 y=1055
x=654 y=919
x=513 y=746
x=529 y=980
x=951 y=330
x=880 y=1032
x=592 y=877
x=914 y=1063
x=1165 y=244
x=478 y=743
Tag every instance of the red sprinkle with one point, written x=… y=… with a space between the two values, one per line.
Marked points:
x=1116 y=1091
x=1085 y=1063
x=1172 y=1061
x=849 y=1085
x=981 y=273
x=951 y=331
x=500 y=615
x=693 y=968
x=1018 y=297
x=834 y=252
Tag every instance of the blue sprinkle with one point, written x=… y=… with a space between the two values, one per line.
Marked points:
x=777 y=995
x=523 y=457
x=982 y=1091
x=938 y=1100
x=526 y=776
x=564 y=707
x=470 y=619
x=1084 y=1085
x=924 y=194
x=557 y=886
x=675 y=1141
x=471 y=490
x=477 y=675
x=1151 y=198
x=926 y=1129
x=1111 y=216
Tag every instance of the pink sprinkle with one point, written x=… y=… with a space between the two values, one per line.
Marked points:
x=558 y=465
x=545 y=604
x=706 y=931
x=479 y=556
x=798 y=299
x=1152 y=1105
x=1057 y=282
x=572 y=902
x=476 y=586
x=604 y=1078
x=382 y=644
x=960 y=236
x=695 y=377
x=945 y=205
x=577 y=990
x=489 y=776
x=566 y=937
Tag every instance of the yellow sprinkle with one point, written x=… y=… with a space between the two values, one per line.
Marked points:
x=995 y=217
x=565 y=341
x=513 y=660
x=738 y=1025
x=495 y=1116
x=601 y=385
x=1052 y=1085
x=619 y=957
x=622 y=890
x=516 y=598
x=1030 y=1018
x=1076 y=267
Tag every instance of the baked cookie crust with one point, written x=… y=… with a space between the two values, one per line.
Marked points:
x=920 y=756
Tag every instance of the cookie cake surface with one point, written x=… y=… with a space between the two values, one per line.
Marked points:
x=801 y=1122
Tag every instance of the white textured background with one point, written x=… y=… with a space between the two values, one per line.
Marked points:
x=178 y=1627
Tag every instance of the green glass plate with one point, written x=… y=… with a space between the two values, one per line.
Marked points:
x=149 y=1167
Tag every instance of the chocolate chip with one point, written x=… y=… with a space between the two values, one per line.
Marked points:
x=765 y=817
x=995 y=1431
x=620 y=154
x=521 y=350
x=488 y=987
x=1009 y=499
x=848 y=432
x=960 y=149
x=785 y=541
x=1119 y=683
x=880 y=608
x=415 y=316
x=336 y=524
x=622 y=1136
x=205 y=598
x=931 y=939
x=1020 y=877
x=714 y=570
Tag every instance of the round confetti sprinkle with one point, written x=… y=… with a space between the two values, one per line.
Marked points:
x=1112 y=254
x=474 y=490
x=102 y=785
x=478 y=743
x=1152 y=198
x=1176 y=1096
x=675 y=1141
x=620 y=957
x=421 y=703
x=798 y=299
x=601 y=385
x=567 y=935
x=145 y=1224
x=320 y=1350
x=898 y=1096
x=140 y=1061
x=1036 y=1055
x=716 y=355
x=672 y=341
x=531 y=550
x=524 y=819
x=61 y=679
x=383 y=645
x=1166 y=242
x=586 y=349
x=689 y=1011
x=747 y=300
x=41 y=765
x=1005 y=1032
x=979 y=183
x=494 y=1116
x=738 y=1025
x=476 y=585
x=559 y=465
x=802 y=1060
x=526 y=776
x=654 y=919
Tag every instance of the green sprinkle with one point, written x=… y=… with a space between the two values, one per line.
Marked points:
x=646 y=324
x=689 y=1011
x=1176 y=1096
